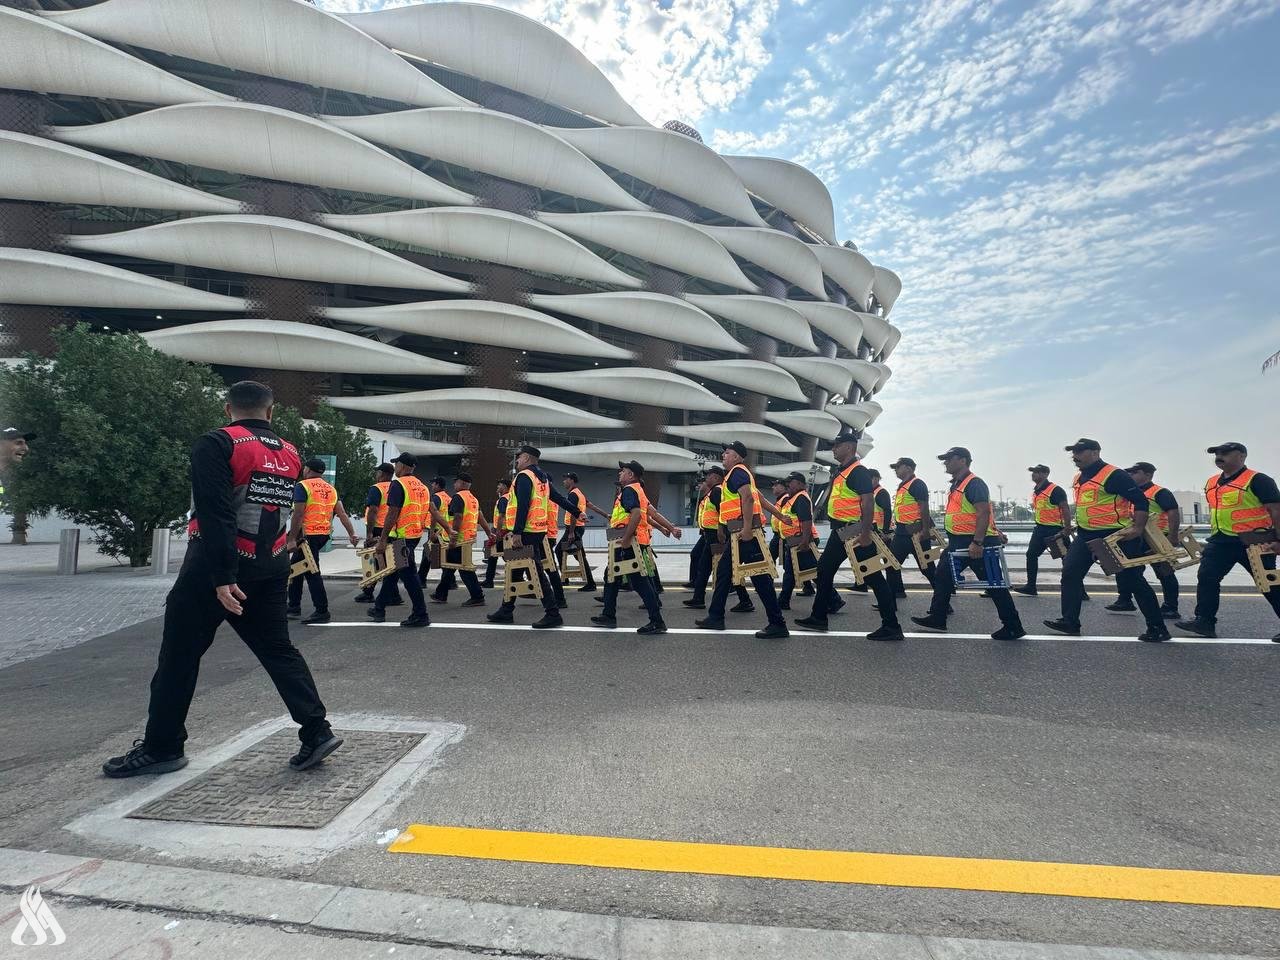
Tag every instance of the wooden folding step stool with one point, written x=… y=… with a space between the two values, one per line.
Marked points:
x=306 y=565
x=465 y=562
x=1113 y=560
x=744 y=571
x=882 y=560
x=1259 y=544
x=618 y=567
x=514 y=560
x=924 y=555
x=573 y=563
x=802 y=574
x=375 y=566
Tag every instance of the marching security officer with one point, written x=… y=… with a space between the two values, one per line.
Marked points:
x=631 y=514
x=1107 y=500
x=780 y=495
x=1052 y=517
x=850 y=501
x=1240 y=501
x=526 y=519
x=499 y=514
x=796 y=521
x=573 y=528
x=375 y=517
x=910 y=507
x=740 y=504
x=465 y=517
x=438 y=499
x=315 y=501
x=1164 y=513
x=968 y=512
x=710 y=540
x=235 y=569
x=409 y=511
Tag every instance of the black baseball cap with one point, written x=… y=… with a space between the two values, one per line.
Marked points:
x=633 y=465
x=1143 y=466
x=408 y=459
x=531 y=451
x=1226 y=448
x=846 y=436
x=797 y=475
x=571 y=476
x=961 y=452
x=1038 y=468
x=779 y=482
x=1084 y=443
x=316 y=465
x=902 y=462
x=13 y=433
x=464 y=477
x=439 y=480
x=715 y=468
x=737 y=447
x=384 y=468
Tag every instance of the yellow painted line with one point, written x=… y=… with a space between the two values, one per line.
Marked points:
x=834 y=866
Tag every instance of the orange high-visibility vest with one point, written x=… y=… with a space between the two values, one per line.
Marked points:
x=708 y=514
x=416 y=498
x=843 y=503
x=441 y=502
x=1233 y=506
x=731 y=503
x=380 y=512
x=317 y=512
x=1047 y=513
x=470 y=517
x=1095 y=508
x=536 y=518
x=877 y=514
x=906 y=508
x=792 y=524
x=581 y=519
x=962 y=516
x=620 y=516
x=1160 y=516
x=774 y=521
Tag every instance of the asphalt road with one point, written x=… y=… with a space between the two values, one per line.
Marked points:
x=1058 y=750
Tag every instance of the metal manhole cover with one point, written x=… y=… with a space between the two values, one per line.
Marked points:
x=256 y=788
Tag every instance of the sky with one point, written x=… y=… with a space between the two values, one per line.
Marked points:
x=1082 y=198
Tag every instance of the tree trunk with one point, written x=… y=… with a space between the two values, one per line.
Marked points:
x=19 y=527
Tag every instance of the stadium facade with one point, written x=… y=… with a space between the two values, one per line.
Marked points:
x=442 y=218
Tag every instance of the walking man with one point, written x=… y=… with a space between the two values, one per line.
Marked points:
x=1165 y=514
x=850 y=502
x=631 y=516
x=499 y=513
x=465 y=517
x=235 y=570
x=970 y=528
x=710 y=541
x=573 y=528
x=910 y=509
x=1240 y=501
x=408 y=510
x=315 y=501
x=375 y=517
x=740 y=510
x=796 y=521
x=1107 y=500
x=1052 y=516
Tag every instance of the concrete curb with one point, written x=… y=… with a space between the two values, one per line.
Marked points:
x=491 y=928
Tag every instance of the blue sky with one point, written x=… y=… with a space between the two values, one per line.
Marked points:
x=1082 y=199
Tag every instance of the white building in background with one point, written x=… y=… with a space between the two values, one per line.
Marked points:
x=443 y=218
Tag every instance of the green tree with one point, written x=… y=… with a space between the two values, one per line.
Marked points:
x=115 y=420
x=328 y=433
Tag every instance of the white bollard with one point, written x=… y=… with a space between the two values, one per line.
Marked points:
x=160 y=551
x=69 y=551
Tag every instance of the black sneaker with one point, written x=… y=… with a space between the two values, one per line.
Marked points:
x=1199 y=627
x=309 y=754
x=1027 y=590
x=1120 y=606
x=395 y=602
x=695 y=604
x=435 y=599
x=812 y=623
x=317 y=618
x=602 y=621
x=1061 y=626
x=501 y=616
x=377 y=614
x=486 y=584
x=1155 y=636
x=784 y=605
x=474 y=602
x=652 y=627
x=598 y=599
x=687 y=584
x=140 y=761
x=930 y=623
x=886 y=633
x=1009 y=633
x=293 y=613
x=549 y=621
x=774 y=631
x=364 y=597
x=587 y=588
x=1168 y=614
x=416 y=620
x=860 y=588
x=708 y=624
x=743 y=608
x=562 y=604
x=1085 y=596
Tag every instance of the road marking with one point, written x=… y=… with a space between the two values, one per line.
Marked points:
x=832 y=866
x=797 y=632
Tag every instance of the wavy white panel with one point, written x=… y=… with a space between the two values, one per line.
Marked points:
x=263 y=141
x=482 y=321
x=660 y=457
x=271 y=247
x=864 y=449
x=826 y=456
x=426 y=448
x=779 y=253
x=850 y=414
x=762 y=314
x=753 y=376
x=495 y=143
x=841 y=324
x=895 y=337
x=39 y=169
x=495 y=236
x=813 y=423
x=275 y=38
x=479 y=405
x=873 y=408
x=865 y=373
x=812 y=470
x=850 y=269
x=503 y=47
x=653 y=314
x=655 y=388
x=36 y=54
x=831 y=375
x=284 y=345
x=655 y=238
x=669 y=160
x=875 y=330
x=755 y=435
x=887 y=287
x=56 y=280
x=792 y=189
x=885 y=374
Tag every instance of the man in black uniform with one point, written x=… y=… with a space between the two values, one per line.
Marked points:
x=531 y=491
x=779 y=491
x=1052 y=517
x=1165 y=514
x=708 y=520
x=1107 y=500
x=464 y=522
x=375 y=515
x=499 y=514
x=630 y=514
x=797 y=521
x=409 y=514
x=572 y=537
x=236 y=569
x=910 y=507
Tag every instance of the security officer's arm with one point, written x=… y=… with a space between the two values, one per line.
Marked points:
x=1059 y=497
x=441 y=519
x=865 y=522
x=558 y=496
x=523 y=492
x=982 y=522
x=395 y=501
x=629 y=531
x=770 y=508
x=804 y=514
x=663 y=524
x=594 y=509
x=345 y=520
x=484 y=524
x=211 y=485
x=1121 y=484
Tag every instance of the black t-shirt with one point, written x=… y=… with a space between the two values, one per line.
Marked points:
x=1263 y=487
x=802 y=507
x=976 y=491
x=1057 y=498
x=885 y=502
x=395 y=495
x=919 y=491
x=373 y=498
x=629 y=500
x=1165 y=499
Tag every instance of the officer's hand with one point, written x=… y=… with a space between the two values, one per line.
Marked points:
x=1175 y=536
x=679 y=532
x=291 y=545
x=230 y=595
x=975 y=550
x=1130 y=533
x=381 y=546
x=368 y=541
x=864 y=540
x=1004 y=538
x=355 y=541
x=624 y=543
x=517 y=541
